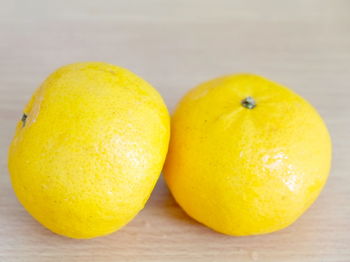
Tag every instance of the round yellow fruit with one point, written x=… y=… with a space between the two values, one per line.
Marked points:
x=247 y=156
x=89 y=149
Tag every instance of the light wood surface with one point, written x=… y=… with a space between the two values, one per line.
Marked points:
x=176 y=45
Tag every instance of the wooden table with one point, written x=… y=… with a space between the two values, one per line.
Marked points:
x=176 y=45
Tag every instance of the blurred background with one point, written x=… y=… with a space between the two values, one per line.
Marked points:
x=175 y=45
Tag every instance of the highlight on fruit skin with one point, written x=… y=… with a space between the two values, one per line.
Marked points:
x=88 y=149
x=247 y=156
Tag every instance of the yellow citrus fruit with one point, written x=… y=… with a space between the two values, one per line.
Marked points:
x=89 y=149
x=247 y=156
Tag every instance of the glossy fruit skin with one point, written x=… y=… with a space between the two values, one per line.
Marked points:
x=246 y=171
x=86 y=157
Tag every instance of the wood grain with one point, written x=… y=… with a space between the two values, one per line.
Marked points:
x=176 y=45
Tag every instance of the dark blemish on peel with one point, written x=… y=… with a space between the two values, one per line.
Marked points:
x=23 y=119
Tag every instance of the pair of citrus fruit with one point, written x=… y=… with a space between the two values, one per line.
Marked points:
x=246 y=155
